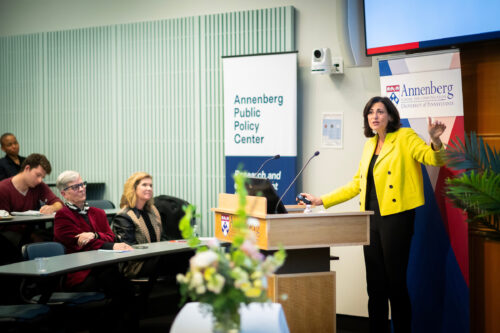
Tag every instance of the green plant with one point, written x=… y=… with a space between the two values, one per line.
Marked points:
x=476 y=189
x=225 y=279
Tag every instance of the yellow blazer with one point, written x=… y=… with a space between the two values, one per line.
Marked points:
x=397 y=173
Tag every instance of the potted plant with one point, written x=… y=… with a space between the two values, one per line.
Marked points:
x=223 y=279
x=476 y=189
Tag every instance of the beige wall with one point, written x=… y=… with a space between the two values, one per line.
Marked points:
x=318 y=24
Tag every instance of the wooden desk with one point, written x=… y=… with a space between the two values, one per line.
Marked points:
x=305 y=277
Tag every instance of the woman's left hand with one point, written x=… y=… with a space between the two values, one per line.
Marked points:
x=436 y=129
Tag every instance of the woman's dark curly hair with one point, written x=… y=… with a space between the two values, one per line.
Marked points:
x=393 y=124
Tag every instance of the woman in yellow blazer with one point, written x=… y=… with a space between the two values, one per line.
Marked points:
x=389 y=182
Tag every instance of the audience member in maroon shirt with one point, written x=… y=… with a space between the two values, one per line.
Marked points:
x=82 y=228
x=26 y=191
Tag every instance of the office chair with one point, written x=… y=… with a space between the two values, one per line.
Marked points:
x=102 y=204
x=51 y=249
x=23 y=317
x=171 y=212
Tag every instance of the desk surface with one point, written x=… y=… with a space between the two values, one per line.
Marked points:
x=22 y=219
x=87 y=259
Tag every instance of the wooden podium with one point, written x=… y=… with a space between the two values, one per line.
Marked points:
x=305 y=278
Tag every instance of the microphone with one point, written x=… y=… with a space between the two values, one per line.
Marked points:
x=316 y=153
x=275 y=157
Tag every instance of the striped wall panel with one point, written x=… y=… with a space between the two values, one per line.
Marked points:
x=109 y=101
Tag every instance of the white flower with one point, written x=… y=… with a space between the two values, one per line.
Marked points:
x=203 y=259
x=216 y=283
x=196 y=281
x=181 y=278
x=240 y=277
x=201 y=289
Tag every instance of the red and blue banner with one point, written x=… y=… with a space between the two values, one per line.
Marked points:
x=438 y=271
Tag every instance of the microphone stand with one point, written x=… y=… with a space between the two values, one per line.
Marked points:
x=275 y=157
x=293 y=181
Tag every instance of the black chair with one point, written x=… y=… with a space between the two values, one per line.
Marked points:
x=23 y=317
x=102 y=204
x=171 y=212
x=51 y=249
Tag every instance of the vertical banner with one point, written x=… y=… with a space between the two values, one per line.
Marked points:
x=438 y=271
x=260 y=118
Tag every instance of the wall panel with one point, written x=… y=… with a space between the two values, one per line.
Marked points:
x=109 y=101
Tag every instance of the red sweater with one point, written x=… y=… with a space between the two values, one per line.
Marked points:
x=68 y=224
x=12 y=200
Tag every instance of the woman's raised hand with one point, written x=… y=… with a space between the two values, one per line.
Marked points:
x=435 y=129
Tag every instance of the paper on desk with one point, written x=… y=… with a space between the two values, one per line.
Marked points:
x=27 y=213
x=116 y=251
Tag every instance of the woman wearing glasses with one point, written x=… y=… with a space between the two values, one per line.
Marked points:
x=139 y=221
x=82 y=228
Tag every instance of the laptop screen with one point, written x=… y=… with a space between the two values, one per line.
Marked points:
x=262 y=187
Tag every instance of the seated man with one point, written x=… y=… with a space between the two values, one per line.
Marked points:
x=10 y=165
x=82 y=228
x=27 y=191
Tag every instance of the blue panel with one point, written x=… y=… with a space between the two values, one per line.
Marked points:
x=438 y=291
x=384 y=68
x=284 y=169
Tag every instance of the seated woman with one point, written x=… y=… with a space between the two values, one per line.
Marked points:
x=82 y=228
x=139 y=221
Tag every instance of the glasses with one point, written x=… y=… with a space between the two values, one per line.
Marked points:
x=76 y=187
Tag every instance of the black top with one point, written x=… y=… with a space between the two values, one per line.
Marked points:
x=371 y=192
x=151 y=230
x=8 y=168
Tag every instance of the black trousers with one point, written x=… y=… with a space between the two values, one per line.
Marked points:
x=386 y=260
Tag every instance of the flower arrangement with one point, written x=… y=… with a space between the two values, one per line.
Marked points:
x=224 y=278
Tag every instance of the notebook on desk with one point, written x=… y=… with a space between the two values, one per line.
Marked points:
x=262 y=187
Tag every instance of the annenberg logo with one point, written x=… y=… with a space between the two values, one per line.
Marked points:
x=444 y=90
x=225 y=224
x=391 y=89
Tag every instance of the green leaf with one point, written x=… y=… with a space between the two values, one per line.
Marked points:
x=477 y=189
x=474 y=154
